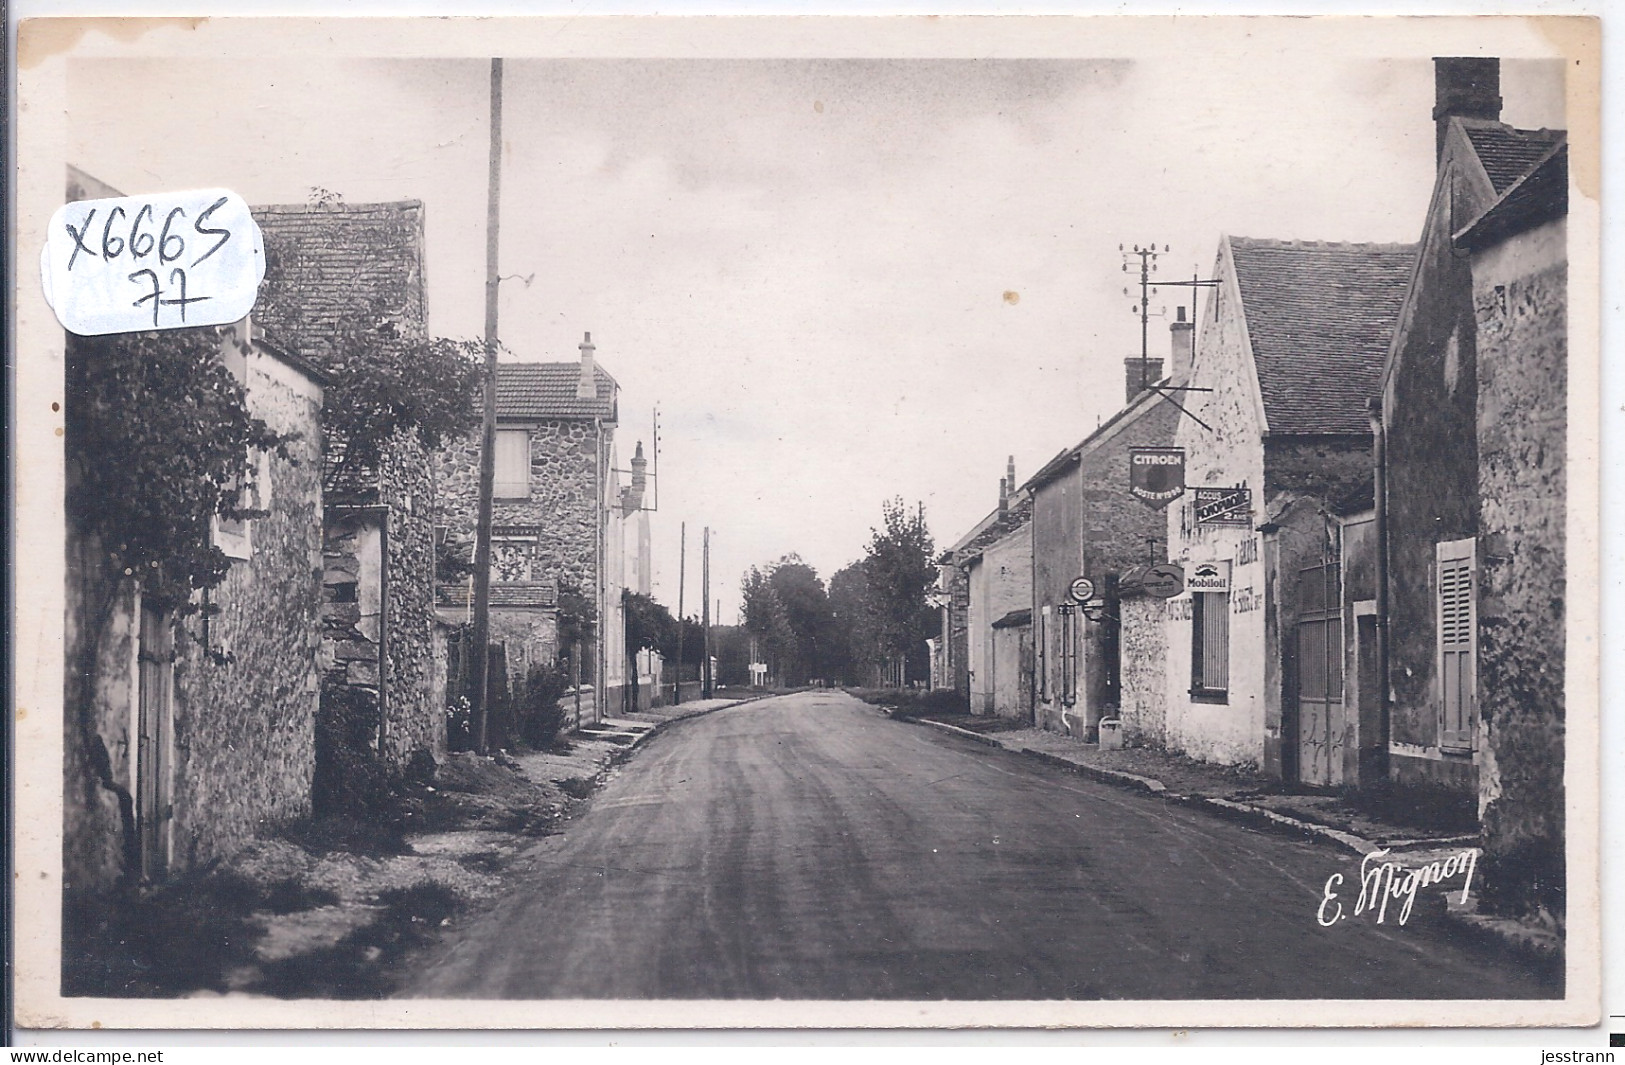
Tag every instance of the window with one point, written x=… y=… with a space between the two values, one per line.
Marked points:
x=1457 y=639
x=512 y=479
x=233 y=536
x=1210 y=646
x=1069 y=654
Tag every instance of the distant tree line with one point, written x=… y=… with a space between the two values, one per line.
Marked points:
x=869 y=626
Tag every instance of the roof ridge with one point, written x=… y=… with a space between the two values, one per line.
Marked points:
x=1297 y=243
x=1507 y=127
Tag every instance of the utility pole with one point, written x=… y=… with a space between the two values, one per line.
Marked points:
x=488 y=440
x=1148 y=266
x=682 y=564
x=705 y=616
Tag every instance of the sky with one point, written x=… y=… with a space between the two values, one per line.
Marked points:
x=840 y=280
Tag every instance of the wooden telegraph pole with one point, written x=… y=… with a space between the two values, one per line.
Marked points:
x=482 y=534
x=682 y=562
x=705 y=617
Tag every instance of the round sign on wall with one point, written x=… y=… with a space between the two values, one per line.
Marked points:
x=1082 y=590
x=1164 y=580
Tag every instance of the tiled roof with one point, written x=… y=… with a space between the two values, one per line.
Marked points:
x=548 y=390
x=1508 y=154
x=1539 y=196
x=335 y=270
x=1320 y=317
x=340 y=268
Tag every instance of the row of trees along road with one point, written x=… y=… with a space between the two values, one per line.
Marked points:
x=869 y=626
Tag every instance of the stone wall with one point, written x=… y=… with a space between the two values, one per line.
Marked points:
x=1144 y=707
x=1119 y=531
x=244 y=736
x=1520 y=298
x=1429 y=414
x=377 y=614
x=413 y=721
x=240 y=750
x=98 y=702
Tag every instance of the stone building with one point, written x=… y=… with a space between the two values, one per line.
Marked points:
x=1086 y=523
x=1262 y=662
x=559 y=519
x=1429 y=510
x=1519 y=261
x=185 y=737
x=958 y=653
x=339 y=274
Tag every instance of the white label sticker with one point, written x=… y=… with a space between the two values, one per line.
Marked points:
x=139 y=263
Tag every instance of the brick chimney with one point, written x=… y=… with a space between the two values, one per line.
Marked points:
x=587 y=387
x=1468 y=87
x=1004 y=496
x=1138 y=372
x=1180 y=335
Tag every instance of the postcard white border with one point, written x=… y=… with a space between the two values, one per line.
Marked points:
x=45 y=46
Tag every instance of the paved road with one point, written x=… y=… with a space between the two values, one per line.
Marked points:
x=806 y=847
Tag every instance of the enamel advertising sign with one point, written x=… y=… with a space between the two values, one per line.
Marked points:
x=1156 y=474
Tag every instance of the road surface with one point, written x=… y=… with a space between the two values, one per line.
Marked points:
x=808 y=847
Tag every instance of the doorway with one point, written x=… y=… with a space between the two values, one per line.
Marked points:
x=155 y=748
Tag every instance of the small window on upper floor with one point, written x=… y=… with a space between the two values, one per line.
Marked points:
x=512 y=479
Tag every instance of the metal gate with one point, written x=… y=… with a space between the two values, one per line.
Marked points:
x=1321 y=724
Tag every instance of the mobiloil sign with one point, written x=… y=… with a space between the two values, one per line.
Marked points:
x=1208 y=577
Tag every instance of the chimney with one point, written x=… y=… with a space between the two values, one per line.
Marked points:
x=1004 y=497
x=1140 y=372
x=1010 y=473
x=1468 y=87
x=1181 y=335
x=640 y=468
x=587 y=388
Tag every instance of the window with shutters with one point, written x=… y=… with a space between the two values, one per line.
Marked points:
x=512 y=472
x=1043 y=655
x=1210 y=646
x=1457 y=628
x=1069 y=654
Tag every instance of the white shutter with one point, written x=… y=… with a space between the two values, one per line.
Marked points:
x=512 y=465
x=1457 y=641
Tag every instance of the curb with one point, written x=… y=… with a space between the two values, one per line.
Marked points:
x=1243 y=813
x=1536 y=947
x=956 y=730
x=660 y=726
x=1258 y=817
x=1117 y=777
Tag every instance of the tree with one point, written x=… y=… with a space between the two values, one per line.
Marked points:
x=765 y=617
x=385 y=386
x=900 y=571
x=855 y=654
x=806 y=613
x=648 y=625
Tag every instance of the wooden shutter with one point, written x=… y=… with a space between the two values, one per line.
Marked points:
x=1457 y=638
